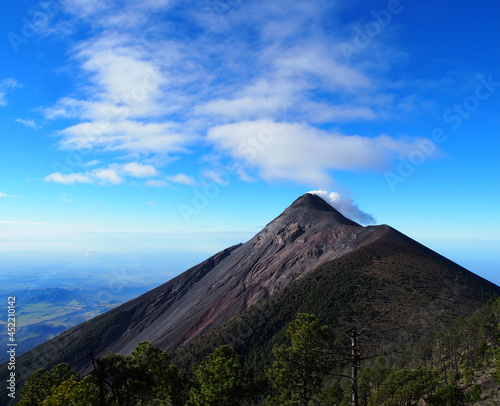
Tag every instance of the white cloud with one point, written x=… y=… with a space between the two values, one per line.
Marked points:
x=302 y=153
x=111 y=175
x=179 y=178
x=27 y=123
x=183 y=179
x=219 y=176
x=323 y=113
x=157 y=183
x=153 y=88
x=84 y=8
x=107 y=175
x=91 y=163
x=138 y=170
x=108 y=14
x=2 y=194
x=4 y=86
x=65 y=198
x=127 y=136
x=127 y=83
x=345 y=205
x=325 y=67
x=286 y=88
x=123 y=104
x=67 y=179
x=242 y=107
x=103 y=176
x=132 y=78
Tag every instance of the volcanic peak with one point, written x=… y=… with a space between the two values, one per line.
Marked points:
x=308 y=211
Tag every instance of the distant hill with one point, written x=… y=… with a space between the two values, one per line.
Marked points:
x=309 y=259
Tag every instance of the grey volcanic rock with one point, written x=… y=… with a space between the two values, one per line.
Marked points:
x=306 y=234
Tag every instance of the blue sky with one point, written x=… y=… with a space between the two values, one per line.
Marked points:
x=182 y=126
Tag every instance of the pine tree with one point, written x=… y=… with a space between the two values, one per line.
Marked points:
x=405 y=387
x=41 y=384
x=74 y=393
x=298 y=371
x=220 y=380
x=144 y=377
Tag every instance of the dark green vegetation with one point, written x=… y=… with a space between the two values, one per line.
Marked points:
x=306 y=370
x=219 y=380
x=145 y=377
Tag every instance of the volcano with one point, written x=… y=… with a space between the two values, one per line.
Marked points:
x=308 y=236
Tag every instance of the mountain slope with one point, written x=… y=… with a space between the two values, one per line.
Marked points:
x=423 y=290
x=308 y=236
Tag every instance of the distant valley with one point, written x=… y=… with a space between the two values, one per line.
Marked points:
x=44 y=313
x=56 y=291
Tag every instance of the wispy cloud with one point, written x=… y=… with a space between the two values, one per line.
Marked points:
x=85 y=8
x=2 y=194
x=139 y=171
x=112 y=14
x=125 y=136
x=65 y=198
x=183 y=179
x=150 y=88
x=91 y=163
x=28 y=123
x=157 y=183
x=6 y=84
x=112 y=175
x=67 y=179
x=220 y=176
x=180 y=178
